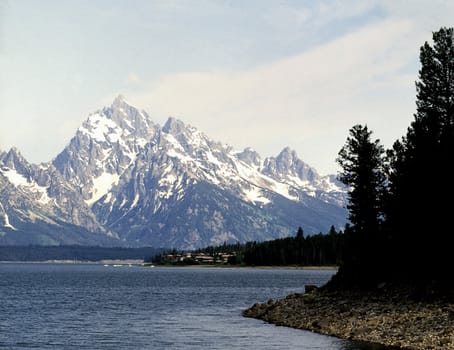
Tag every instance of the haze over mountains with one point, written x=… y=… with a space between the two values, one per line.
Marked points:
x=124 y=180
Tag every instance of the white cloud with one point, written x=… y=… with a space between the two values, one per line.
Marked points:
x=360 y=64
x=308 y=101
x=133 y=78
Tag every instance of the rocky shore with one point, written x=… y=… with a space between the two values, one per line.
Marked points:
x=388 y=317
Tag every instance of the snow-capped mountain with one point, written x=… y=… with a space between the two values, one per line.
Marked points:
x=124 y=177
x=37 y=206
x=106 y=144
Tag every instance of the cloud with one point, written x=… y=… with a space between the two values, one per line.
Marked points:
x=133 y=78
x=307 y=101
x=260 y=73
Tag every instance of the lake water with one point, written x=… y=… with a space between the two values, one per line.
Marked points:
x=65 y=306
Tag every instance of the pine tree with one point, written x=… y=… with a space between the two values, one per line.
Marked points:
x=418 y=216
x=362 y=163
x=363 y=171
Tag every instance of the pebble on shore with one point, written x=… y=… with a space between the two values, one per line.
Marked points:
x=387 y=318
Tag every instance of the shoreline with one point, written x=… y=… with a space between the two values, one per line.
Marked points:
x=138 y=262
x=389 y=318
x=273 y=267
x=135 y=262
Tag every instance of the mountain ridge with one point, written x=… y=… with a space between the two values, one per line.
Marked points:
x=124 y=177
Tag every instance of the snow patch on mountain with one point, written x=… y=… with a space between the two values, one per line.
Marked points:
x=101 y=129
x=20 y=181
x=123 y=176
x=102 y=185
x=6 y=222
x=255 y=195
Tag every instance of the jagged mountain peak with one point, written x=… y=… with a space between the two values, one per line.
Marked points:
x=174 y=126
x=14 y=155
x=189 y=137
x=14 y=160
x=124 y=176
x=121 y=106
x=182 y=131
x=287 y=155
x=119 y=101
x=288 y=164
x=106 y=144
x=14 y=150
x=250 y=156
x=121 y=118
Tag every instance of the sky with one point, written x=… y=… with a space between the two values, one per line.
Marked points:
x=264 y=74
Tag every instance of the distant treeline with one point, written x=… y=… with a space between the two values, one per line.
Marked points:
x=316 y=250
x=78 y=253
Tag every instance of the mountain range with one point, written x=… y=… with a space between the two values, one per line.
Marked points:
x=124 y=180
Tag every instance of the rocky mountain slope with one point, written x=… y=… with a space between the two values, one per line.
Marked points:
x=124 y=180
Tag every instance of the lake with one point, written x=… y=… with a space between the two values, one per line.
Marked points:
x=82 y=306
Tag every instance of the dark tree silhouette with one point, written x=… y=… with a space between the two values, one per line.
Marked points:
x=419 y=207
x=362 y=165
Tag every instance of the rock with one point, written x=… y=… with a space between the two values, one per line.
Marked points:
x=310 y=288
x=386 y=316
x=451 y=314
x=316 y=325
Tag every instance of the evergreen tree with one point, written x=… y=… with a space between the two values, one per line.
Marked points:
x=363 y=171
x=418 y=217
x=300 y=234
x=299 y=246
x=362 y=163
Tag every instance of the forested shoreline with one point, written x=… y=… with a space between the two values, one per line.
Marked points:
x=314 y=250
